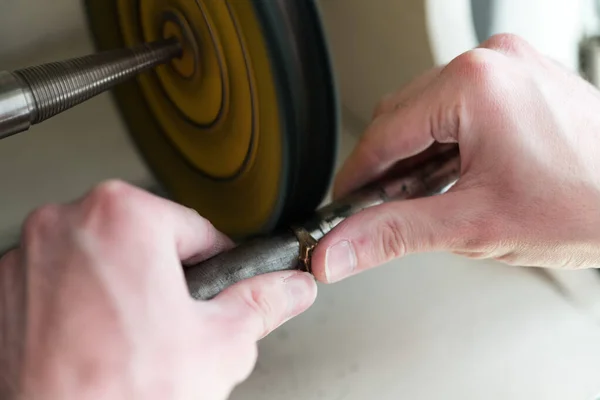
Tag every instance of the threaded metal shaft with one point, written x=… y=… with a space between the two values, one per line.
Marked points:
x=59 y=86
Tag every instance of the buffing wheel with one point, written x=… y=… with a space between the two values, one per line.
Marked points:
x=244 y=126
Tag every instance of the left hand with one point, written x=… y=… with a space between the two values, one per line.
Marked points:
x=94 y=304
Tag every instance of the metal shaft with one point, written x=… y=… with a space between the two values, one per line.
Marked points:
x=32 y=95
x=291 y=250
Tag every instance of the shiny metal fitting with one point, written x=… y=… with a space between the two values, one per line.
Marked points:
x=32 y=95
x=15 y=105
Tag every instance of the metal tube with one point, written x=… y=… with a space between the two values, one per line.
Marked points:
x=291 y=251
x=253 y=258
x=32 y=95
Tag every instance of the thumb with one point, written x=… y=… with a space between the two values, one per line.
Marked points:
x=448 y=222
x=259 y=305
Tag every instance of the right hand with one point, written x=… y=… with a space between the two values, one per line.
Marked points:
x=529 y=193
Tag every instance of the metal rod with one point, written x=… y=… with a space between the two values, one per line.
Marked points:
x=32 y=95
x=291 y=250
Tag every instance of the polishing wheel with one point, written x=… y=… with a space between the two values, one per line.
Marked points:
x=243 y=127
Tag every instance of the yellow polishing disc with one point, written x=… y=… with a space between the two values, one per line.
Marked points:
x=234 y=127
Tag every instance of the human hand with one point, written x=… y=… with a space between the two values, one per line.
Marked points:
x=529 y=193
x=95 y=305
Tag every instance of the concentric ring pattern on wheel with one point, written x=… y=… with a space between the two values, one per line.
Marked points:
x=244 y=126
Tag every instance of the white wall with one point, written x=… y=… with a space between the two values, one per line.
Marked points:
x=553 y=26
x=379 y=45
x=25 y=24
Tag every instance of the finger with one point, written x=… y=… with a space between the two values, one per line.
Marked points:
x=390 y=138
x=449 y=222
x=446 y=110
x=395 y=100
x=10 y=256
x=13 y=283
x=404 y=132
x=408 y=165
x=202 y=241
x=193 y=237
x=259 y=305
x=9 y=265
x=13 y=318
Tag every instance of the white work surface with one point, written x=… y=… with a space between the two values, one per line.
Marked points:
x=433 y=327
x=427 y=327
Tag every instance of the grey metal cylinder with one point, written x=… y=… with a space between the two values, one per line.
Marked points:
x=289 y=251
x=32 y=95
x=253 y=258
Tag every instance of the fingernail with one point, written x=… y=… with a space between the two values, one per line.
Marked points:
x=340 y=261
x=300 y=288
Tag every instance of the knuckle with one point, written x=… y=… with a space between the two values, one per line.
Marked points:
x=479 y=65
x=259 y=305
x=105 y=209
x=40 y=222
x=107 y=200
x=508 y=258
x=391 y=237
x=384 y=105
x=110 y=192
x=210 y=232
x=507 y=43
x=9 y=257
x=369 y=149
